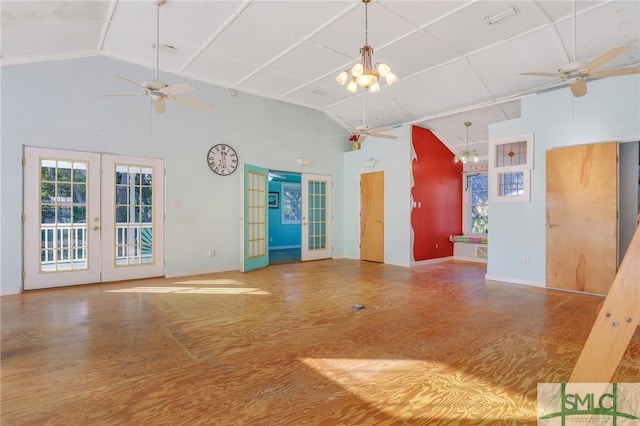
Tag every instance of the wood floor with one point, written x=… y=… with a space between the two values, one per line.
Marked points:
x=435 y=345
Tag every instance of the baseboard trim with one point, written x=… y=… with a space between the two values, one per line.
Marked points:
x=515 y=281
x=10 y=291
x=431 y=261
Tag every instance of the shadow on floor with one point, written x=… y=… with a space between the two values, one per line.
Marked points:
x=284 y=256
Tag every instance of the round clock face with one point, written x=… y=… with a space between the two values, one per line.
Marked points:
x=222 y=159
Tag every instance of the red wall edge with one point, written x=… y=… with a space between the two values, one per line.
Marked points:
x=437 y=190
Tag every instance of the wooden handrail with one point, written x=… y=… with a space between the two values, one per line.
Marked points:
x=616 y=322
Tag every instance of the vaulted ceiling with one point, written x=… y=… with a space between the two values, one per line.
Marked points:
x=453 y=65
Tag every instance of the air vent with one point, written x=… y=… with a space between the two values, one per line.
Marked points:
x=166 y=48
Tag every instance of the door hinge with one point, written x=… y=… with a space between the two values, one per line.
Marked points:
x=22 y=218
x=24 y=274
x=23 y=162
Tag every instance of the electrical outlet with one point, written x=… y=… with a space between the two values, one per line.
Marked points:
x=436 y=245
x=525 y=261
x=212 y=253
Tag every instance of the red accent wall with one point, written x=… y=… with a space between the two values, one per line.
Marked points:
x=438 y=189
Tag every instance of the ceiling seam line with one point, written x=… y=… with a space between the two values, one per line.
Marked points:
x=217 y=34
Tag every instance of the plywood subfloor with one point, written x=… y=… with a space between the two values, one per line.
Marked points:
x=435 y=345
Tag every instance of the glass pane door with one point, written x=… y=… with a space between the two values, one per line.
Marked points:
x=132 y=206
x=62 y=218
x=316 y=217
x=255 y=229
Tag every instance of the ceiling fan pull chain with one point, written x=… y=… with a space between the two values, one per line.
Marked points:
x=157 y=37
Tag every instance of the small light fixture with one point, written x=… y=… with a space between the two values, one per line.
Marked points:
x=370 y=163
x=363 y=74
x=501 y=16
x=466 y=155
x=303 y=161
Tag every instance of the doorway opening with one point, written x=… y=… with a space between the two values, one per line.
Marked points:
x=285 y=217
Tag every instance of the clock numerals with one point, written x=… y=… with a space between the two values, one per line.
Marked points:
x=222 y=159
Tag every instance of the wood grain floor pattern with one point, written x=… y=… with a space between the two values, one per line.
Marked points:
x=435 y=345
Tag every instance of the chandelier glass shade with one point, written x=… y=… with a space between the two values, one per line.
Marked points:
x=363 y=74
x=466 y=155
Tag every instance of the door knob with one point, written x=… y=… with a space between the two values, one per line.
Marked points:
x=96 y=228
x=381 y=221
x=551 y=225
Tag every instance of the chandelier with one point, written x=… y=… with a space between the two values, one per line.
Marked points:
x=363 y=74
x=467 y=155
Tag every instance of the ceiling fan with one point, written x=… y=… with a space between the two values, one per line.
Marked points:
x=576 y=73
x=361 y=132
x=158 y=90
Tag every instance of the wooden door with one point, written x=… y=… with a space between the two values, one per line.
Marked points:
x=316 y=217
x=372 y=216
x=582 y=217
x=254 y=232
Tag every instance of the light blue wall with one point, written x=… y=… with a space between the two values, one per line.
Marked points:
x=281 y=235
x=609 y=112
x=57 y=105
x=394 y=159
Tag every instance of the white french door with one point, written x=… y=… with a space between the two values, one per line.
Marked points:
x=90 y=218
x=316 y=217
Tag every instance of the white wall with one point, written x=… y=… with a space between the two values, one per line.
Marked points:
x=609 y=112
x=57 y=105
x=394 y=156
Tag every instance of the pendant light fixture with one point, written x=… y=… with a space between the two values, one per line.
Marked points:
x=363 y=74
x=467 y=155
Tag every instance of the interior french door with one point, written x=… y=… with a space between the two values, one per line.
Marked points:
x=255 y=224
x=316 y=217
x=90 y=218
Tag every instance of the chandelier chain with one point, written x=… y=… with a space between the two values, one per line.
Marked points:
x=366 y=23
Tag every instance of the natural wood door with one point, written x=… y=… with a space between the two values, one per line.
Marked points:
x=582 y=217
x=372 y=216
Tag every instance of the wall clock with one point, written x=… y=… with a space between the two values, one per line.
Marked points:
x=222 y=159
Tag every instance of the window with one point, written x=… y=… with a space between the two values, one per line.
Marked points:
x=291 y=203
x=510 y=163
x=477 y=204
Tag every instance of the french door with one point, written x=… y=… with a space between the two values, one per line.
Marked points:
x=316 y=217
x=255 y=225
x=90 y=218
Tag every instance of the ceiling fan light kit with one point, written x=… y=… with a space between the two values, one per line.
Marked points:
x=364 y=74
x=466 y=155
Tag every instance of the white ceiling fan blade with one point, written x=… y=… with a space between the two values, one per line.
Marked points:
x=382 y=135
x=188 y=101
x=544 y=74
x=362 y=137
x=603 y=58
x=159 y=105
x=133 y=83
x=123 y=94
x=381 y=129
x=579 y=88
x=174 y=89
x=612 y=72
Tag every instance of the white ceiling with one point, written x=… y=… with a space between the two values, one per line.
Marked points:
x=449 y=60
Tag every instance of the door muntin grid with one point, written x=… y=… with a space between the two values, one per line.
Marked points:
x=63 y=215
x=134 y=225
x=256 y=221
x=317 y=215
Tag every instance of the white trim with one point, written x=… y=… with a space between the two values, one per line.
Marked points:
x=470 y=259
x=9 y=291
x=515 y=281
x=431 y=261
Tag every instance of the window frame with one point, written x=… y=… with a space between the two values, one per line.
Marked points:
x=467 y=217
x=284 y=187
x=495 y=171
